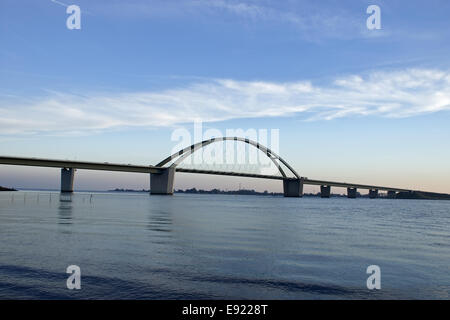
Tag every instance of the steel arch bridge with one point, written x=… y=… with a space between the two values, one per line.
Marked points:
x=162 y=175
x=163 y=183
x=181 y=155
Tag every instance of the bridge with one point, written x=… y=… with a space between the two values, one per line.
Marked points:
x=162 y=175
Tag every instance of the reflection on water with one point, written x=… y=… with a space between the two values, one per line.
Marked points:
x=65 y=197
x=138 y=246
x=159 y=221
x=65 y=209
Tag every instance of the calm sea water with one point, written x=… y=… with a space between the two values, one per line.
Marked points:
x=136 y=246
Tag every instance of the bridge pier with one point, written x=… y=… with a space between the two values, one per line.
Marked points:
x=391 y=194
x=293 y=187
x=162 y=183
x=373 y=193
x=351 y=193
x=67 y=176
x=325 y=191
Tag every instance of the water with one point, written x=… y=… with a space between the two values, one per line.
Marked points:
x=136 y=246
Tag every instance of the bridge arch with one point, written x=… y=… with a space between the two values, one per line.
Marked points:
x=184 y=153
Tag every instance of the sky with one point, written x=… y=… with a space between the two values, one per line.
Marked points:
x=348 y=103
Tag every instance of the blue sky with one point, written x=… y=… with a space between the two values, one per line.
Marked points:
x=351 y=104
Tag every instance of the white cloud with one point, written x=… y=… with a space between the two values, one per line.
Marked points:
x=390 y=94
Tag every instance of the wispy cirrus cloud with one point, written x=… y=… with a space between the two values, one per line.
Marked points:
x=313 y=20
x=310 y=20
x=401 y=93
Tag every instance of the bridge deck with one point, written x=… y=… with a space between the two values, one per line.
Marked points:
x=352 y=185
x=37 y=162
x=306 y=181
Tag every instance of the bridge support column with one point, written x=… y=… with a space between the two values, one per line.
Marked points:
x=351 y=193
x=325 y=191
x=293 y=187
x=391 y=194
x=373 y=193
x=67 y=175
x=162 y=183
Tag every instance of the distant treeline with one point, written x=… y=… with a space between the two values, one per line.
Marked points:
x=400 y=195
x=6 y=189
x=127 y=190
x=423 y=195
x=219 y=191
x=246 y=192
x=213 y=191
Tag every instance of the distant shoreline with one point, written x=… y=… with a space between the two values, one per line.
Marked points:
x=415 y=195
x=7 y=189
x=418 y=195
x=229 y=192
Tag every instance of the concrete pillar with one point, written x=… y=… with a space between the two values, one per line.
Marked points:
x=373 y=193
x=325 y=191
x=67 y=175
x=392 y=194
x=293 y=187
x=162 y=183
x=351 y=193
